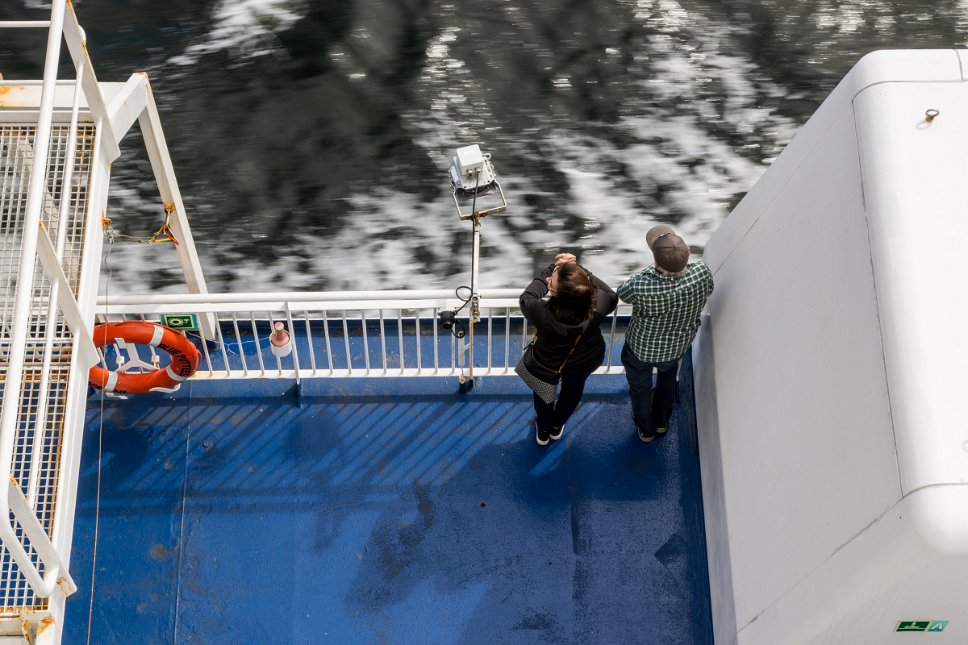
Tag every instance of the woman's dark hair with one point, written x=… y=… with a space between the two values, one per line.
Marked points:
x=575 y=298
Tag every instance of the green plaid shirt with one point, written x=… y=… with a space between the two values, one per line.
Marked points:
x=665 y=311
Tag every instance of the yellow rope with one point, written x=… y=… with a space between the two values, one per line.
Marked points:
x=165 y=234
x=162 y=235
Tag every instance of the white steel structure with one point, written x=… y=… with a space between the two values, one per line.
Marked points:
x=834 y=454
x=57 y=142
x=830 y=374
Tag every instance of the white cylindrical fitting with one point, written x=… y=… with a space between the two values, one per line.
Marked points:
x=280 y=342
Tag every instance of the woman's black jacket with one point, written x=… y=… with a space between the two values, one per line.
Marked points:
x=555 y=339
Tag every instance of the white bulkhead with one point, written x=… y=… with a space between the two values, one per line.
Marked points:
x=831 y=372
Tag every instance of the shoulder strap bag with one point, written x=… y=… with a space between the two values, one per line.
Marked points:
x=543 y=380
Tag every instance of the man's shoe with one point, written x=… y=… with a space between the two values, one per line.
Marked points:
x=541 y=435
x=556 y=432
x=661 y=429
x=647 y=438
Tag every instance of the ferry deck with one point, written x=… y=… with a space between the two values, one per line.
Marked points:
x=356 y=489
x=385 y=510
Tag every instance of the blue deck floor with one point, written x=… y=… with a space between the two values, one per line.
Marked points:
x=386 y=511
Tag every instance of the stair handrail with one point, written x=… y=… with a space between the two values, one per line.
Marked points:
x=12 y=499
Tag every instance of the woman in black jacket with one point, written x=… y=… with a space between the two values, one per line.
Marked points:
x=568 y=335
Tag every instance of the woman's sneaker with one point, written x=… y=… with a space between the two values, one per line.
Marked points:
x=541 y=435
x=556 y=432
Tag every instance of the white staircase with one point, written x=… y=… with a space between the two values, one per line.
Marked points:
x=57 y=142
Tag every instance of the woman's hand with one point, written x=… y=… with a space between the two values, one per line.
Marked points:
x=565 y=258
x=560 y=259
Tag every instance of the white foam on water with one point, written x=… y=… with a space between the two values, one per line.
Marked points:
x=243 y=25
x=671 y=156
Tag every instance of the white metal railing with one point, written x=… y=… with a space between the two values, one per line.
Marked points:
x=346 y=334
x=14 y=507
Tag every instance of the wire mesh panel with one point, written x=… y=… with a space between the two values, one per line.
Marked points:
x=43 y=392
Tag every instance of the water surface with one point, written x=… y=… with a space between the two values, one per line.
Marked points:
x=311 y=139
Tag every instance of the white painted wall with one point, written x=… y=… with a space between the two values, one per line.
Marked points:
x=829 y=373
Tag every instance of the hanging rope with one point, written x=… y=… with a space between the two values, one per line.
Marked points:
x=162 y=235
x=100 y=444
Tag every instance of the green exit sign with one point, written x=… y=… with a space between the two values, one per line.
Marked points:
x=921 y=625
x=181 y=322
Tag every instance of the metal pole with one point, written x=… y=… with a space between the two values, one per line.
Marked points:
x=21 y=24
x=475 y=270
x=475 y=313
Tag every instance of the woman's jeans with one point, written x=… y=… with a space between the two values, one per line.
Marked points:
x=557 y=413
x=648 y=410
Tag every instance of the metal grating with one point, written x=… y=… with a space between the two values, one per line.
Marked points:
x=36 y=459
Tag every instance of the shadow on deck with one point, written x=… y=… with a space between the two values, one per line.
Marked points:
x=391 y=510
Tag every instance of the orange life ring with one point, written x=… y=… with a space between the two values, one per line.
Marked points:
x=185 y=358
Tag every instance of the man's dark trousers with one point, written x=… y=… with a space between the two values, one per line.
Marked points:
x=646 y=412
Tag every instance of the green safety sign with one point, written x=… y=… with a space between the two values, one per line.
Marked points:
x=183 y=322
x=921 y=625
x=912 y=626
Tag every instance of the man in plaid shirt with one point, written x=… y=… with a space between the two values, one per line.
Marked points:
x=667 y=298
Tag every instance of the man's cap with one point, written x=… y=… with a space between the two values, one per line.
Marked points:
x=669 y=250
